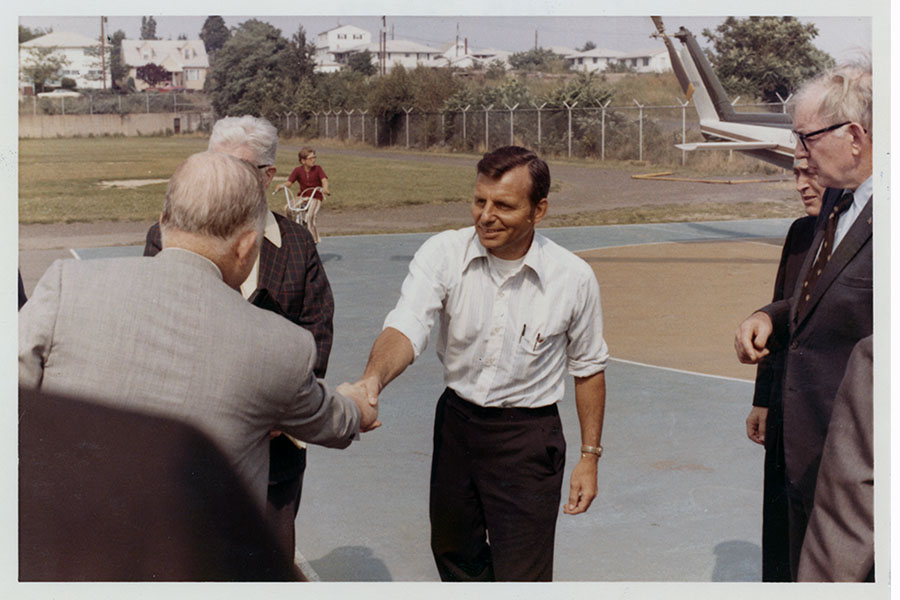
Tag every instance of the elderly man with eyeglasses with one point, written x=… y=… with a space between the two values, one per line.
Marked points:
x=830 y=308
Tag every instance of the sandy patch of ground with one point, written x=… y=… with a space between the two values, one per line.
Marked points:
x=131 y=183
x=677 y=305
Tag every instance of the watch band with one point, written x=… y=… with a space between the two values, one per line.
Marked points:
x=597 y=450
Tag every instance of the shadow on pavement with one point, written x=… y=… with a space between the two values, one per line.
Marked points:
x=351 y=563
x=737 y=561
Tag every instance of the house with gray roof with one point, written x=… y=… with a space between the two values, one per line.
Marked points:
x=186 y=60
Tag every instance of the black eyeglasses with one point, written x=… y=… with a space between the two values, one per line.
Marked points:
x=805 y=136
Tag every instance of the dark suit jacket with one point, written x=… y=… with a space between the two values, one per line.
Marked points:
x=767 y=392
x=295 y=279
x=820 y=341
x=839 y=542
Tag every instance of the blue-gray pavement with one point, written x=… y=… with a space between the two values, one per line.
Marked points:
x=680 y=486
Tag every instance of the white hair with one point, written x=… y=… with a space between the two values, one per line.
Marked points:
x=254 y=133
x=843 y=93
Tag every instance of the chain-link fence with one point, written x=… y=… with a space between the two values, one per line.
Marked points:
x=99 y=103
x=626 y=132
x=622 y=132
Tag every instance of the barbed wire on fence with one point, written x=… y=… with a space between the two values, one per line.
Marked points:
x=623 y=132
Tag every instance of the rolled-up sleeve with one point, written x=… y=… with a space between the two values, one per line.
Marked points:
x=422 y=294
x=586 y=351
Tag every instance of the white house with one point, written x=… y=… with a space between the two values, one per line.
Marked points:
x=460 y=55
x=593 y=60
x=397 y=52
x=185 y=59
x=82 y=54
x=330 y=43
x=655 y=60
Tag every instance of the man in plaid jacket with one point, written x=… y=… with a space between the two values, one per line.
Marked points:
x=290 y=273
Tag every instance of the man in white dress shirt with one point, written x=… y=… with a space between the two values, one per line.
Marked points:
x=515 y=311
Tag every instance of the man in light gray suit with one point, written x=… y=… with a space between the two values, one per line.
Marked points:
x=170 y=335
x=840 y=540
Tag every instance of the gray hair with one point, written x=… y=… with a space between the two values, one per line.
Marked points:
x=843 y=93
x=215 y=195
x=254 y=133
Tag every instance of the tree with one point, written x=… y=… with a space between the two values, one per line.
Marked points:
x=148 y=28
x=765 y=56
x=540 y=59
x=251 y=72
x=26 y=34
x=214 y=35
x=42 y=65
x=361 y=62
x=302 y=60
x=619 y=66
x=588 y=45
x=496 y=69
x=153 y=74
x=586 y=89
x=118 y=70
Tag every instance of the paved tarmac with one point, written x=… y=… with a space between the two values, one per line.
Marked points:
x=680 y=485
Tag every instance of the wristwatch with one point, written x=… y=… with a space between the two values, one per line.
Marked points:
x=595 y=450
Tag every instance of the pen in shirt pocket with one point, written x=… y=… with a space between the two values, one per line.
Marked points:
x=521 y=335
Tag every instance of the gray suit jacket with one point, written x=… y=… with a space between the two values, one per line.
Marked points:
x=839 y=542
x=820 y=340
x=166 y=335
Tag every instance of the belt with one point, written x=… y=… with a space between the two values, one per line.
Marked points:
x=510 y=413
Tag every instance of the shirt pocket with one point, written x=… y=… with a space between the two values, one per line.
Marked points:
x=538 y=340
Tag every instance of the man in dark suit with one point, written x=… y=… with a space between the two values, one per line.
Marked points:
x=290 y=271
x=830 y=309
x=764 y=423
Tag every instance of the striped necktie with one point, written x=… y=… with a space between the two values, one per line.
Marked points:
x=824 y=253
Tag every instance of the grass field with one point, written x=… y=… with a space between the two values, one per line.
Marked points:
x=60 y=179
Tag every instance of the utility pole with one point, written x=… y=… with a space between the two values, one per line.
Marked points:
x=535 y=39
x=457 y=39
x=382 y=38
x=103 y=50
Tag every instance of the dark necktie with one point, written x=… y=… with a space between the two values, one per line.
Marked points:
x=824 y=253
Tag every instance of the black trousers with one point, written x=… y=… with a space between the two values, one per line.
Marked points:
x=776 y=565
x=496 y=476
x=283 y=502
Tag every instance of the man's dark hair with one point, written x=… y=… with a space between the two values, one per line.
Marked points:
x=495 y=164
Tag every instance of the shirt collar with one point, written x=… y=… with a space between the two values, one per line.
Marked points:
x=862 y=194
x=534 y=258
x=272 y=233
